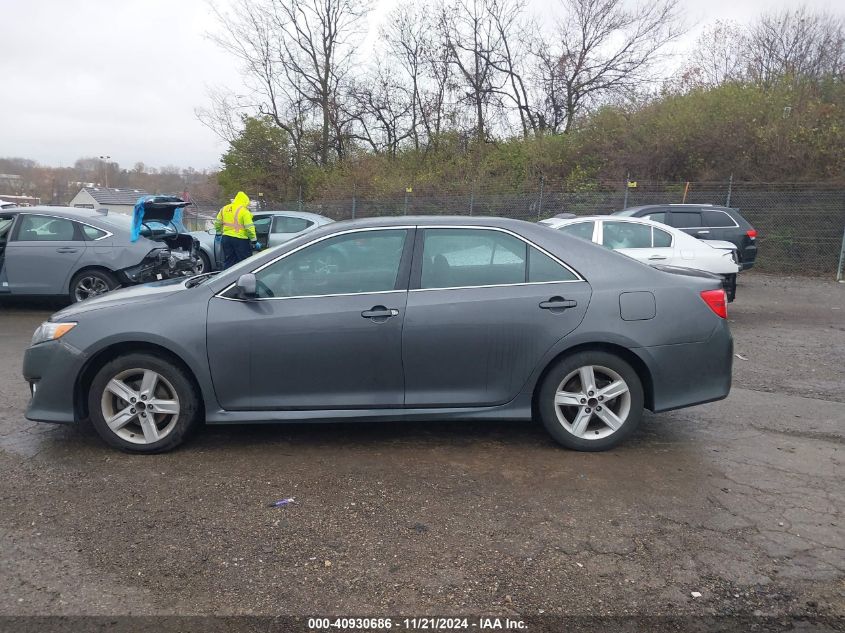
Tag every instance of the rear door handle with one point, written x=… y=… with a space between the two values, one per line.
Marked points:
x=380 y=313
x=702 y=232
x=655 y=257
x=558 y=303
x=66 y=249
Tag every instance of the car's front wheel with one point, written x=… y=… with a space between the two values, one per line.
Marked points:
x=591 y=401
x=143 y=403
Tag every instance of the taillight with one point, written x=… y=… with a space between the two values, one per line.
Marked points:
x=717 y=300
x=752 y=233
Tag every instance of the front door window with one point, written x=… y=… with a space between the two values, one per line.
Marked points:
x=353 y=263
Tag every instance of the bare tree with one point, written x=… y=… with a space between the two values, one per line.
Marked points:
x=717 y=56
x=408 y=40
x=296 y=54
x=600 y=49
x=474 y=46
x=315 y=50
x=796 y=42
x=513 y=32
x=382 y=110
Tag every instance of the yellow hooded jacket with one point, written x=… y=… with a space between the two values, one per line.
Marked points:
x=235 y=220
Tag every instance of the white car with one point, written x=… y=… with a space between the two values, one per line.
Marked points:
x=655 y=243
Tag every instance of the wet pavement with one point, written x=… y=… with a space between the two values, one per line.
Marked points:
x=740 y=500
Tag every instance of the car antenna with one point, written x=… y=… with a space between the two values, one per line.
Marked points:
x=103 y=210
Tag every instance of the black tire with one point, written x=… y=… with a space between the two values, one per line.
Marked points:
x=206 y=263
x=549 y=411
x=93 y=279
x=175 y=379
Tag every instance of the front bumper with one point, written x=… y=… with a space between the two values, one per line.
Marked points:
x=51 y=369
x=690 y=373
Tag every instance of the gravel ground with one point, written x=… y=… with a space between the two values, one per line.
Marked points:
x=740 y=500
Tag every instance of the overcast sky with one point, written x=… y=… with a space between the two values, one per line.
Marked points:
x=122 y=77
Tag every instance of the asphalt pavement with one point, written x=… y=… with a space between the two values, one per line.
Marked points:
x=731 y=508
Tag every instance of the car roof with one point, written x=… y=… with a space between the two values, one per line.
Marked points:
x=305 y=215
x=434 y=220
x=555 y=222
x=687 y=205
x=72 y=213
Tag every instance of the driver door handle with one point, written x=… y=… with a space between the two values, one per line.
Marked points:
x=558 y=303
x=380 y=313
x=653 y=257
x=702 y=232
x=66 y=249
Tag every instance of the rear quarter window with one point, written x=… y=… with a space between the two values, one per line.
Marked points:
x=717 y=219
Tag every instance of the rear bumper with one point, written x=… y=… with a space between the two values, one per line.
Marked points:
x=748 y=256
x=691 y=373
x=51 y=369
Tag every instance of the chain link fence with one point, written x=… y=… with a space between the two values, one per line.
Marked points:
x=799 y=226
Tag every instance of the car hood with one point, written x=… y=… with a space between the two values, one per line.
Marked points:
x=144 y=293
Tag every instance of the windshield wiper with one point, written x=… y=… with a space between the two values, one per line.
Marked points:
x=199 y=279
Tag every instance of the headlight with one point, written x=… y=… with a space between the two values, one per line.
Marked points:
x=51 y=331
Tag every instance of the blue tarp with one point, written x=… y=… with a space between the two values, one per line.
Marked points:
x=162 y=209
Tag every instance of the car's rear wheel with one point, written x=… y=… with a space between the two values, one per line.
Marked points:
x=91 y=283
x=203 y=264
x=591 y=401
x=143 y=403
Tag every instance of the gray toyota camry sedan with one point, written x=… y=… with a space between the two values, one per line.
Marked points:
x=407 y=318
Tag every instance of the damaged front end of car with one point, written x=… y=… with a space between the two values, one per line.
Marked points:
x=159 y=218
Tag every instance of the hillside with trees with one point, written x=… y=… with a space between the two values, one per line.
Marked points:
x=482 y=91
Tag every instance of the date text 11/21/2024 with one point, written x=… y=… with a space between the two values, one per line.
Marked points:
x=424 y=623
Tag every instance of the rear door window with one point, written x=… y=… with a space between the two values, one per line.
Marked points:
x=685 y=219
x=456 y=258
x=617 y=235
x=42 y=228
x=288 y=224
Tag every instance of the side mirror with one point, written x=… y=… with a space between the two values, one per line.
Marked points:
x=247 y=286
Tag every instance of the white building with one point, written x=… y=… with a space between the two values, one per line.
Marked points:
x=115 y=200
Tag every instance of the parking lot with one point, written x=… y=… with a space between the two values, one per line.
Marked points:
x=740 y=500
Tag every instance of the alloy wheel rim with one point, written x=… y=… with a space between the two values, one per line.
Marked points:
x=140 y=406
x=592 y=402
x=90 y=287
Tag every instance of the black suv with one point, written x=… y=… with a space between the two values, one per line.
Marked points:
x=706 y=222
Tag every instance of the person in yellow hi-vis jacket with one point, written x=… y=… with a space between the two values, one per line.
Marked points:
x=234 y=224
